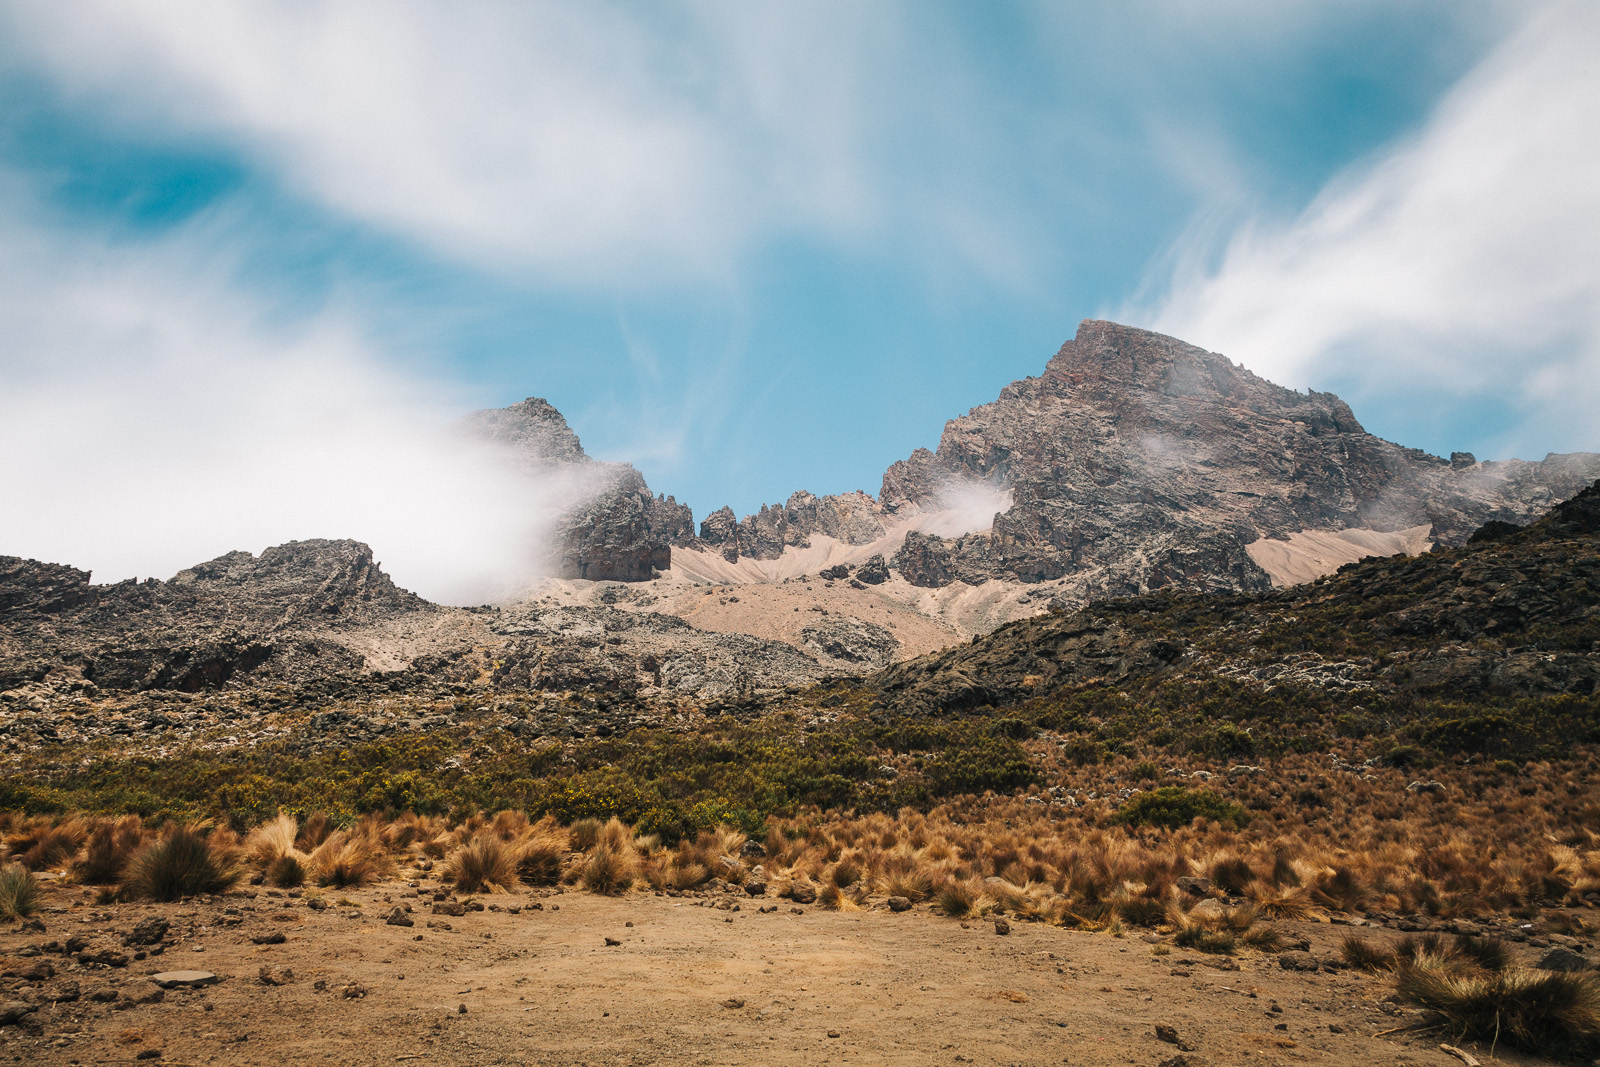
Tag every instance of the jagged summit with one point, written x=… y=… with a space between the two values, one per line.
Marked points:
x=1137 y=461
x=1113 y=360
x=535 y=430
x=616 y=530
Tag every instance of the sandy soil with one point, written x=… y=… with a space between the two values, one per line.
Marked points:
x=924 y=620
x=1309 y=554
x=690 y=982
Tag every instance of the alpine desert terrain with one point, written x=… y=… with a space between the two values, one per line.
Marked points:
x=1161 y=716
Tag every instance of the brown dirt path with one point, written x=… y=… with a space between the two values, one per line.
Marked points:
x=690 y=983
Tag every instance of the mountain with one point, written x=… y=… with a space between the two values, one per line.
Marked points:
x=1138 y=462
x=1134 y=462
x=618 y=531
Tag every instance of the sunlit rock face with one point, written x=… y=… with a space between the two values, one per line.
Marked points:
x=1137 y=462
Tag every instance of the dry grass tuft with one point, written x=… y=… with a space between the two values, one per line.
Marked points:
x=585 y=834
x=1547 y=1012
x=288 y=871
x=1363 y=955
x=956 y=898
x=608 y=870
x=111 y=845
x=19 y=892
x=487 y=863
x=182 y=862
x=540 y=854
x=346 y=859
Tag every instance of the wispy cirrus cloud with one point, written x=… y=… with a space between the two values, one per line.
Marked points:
x=1453 y=274
x=584 y=144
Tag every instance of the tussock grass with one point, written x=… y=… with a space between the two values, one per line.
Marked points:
x=956 y=898
x=182 y=862
x=287 y=871
x=19 y=892
x=1363 y=955
x=486 y=864
x=1546 y=1012
x=347 y=859
x=540 y=854
x=111 y=844
x=585 y=834
x=608 y=870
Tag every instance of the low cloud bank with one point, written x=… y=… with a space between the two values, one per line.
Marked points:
x=152 y=420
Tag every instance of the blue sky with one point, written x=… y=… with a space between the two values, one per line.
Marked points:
x=749 y=247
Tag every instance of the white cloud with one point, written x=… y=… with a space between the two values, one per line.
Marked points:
x=152 y=419
x=580 y=141
x=1459 y=266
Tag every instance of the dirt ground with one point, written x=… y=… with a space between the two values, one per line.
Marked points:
x=532 y=979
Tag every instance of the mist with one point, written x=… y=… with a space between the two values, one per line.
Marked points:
x=153 y=418
x=965 y=507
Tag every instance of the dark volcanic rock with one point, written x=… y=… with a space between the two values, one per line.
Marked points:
x=620 y=531
x=1515 y=616
x=853 y=641
x=268 y=616
x=874 y=571
x=850 y=517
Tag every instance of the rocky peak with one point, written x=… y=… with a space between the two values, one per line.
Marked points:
x=1137 y=461
x=618 y=530
x=535 y=431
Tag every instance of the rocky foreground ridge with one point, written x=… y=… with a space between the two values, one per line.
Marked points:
x=1490 y=647
x=1512 y=614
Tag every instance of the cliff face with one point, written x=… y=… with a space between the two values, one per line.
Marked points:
x=1138 y=462
x=618 y=531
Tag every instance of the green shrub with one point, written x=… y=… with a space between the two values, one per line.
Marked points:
x=1225 y=741
x=986 y=763
x=1084 y=751
x=1404 y=756
x=1174 y=806
x=1015 y=729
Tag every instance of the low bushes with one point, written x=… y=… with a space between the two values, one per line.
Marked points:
x=1174 y=806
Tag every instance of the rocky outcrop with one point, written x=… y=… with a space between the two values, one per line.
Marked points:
x=852 y=518
x=276 y=615
x=618 y=531
x=319 y=613
x=852 y=641
x=1137 y=462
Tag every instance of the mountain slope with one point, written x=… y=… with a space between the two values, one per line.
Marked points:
x=1508 y=617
